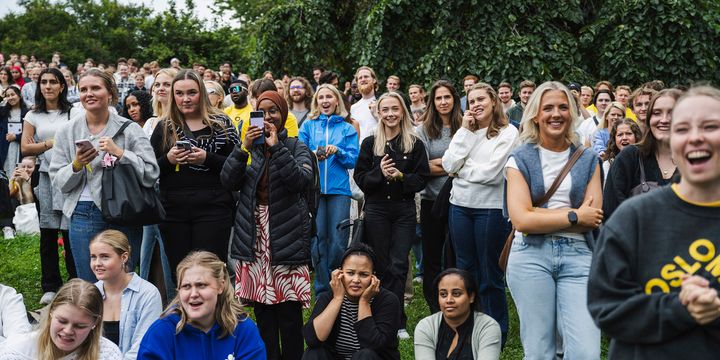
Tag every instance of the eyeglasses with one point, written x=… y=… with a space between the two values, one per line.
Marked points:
x=237 y=89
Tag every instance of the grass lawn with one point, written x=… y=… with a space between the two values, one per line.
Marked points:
x=20 y=268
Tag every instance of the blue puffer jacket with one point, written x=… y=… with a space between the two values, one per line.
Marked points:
x=333 y=130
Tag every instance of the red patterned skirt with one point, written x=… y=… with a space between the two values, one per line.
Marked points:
x=260 y=281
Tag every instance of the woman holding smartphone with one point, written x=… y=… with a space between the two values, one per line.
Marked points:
x=191 y=143
x=82 y=149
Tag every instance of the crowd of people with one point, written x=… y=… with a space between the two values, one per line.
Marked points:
x=266 y=184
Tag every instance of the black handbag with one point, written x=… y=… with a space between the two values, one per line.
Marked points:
x=644 y=186
x=358 y=228
x=442 y=202
x=125 y=201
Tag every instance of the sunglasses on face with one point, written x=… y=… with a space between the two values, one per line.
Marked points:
x=236 y=89
x=296 y=87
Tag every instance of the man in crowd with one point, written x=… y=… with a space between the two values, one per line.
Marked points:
x=505 y=94
x=622 y=94
x=516 y=112
x=28 y=90
x=468 y=82
x=393 y=83
x=586 y=95
x=154 y=68
x=124 y=82
x=299 y=98
x=239 y=112
x=360 y=111
x=317 y=72
x=640 y=100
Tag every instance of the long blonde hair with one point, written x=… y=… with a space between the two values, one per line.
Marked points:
x=173 y=119
x=530 y=130
x=85 y=296
x=156 y=104
x=228 y=311
x=499 y=120
x=407 y=134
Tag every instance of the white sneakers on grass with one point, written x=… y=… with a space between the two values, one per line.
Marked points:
x=403 y=334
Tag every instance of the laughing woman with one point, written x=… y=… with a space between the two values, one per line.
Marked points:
x=77 y=171
x=650 y=307
x=550 y=256
x=391 y=168
x=477 y=155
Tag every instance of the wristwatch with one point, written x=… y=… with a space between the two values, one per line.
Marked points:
x=572 y=217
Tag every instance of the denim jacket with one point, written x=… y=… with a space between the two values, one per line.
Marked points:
x=140 y=306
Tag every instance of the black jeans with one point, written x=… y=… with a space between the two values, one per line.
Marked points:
x=390 y=230
x=197 y=219
x=50 y=279
x=281 y=323
x=434 y=235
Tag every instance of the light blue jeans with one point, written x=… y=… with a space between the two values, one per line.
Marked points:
x=329 y=245
x=151 y=236
x=86 y=222
x=549 y=285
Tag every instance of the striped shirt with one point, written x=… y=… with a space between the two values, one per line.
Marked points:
x=347 y=341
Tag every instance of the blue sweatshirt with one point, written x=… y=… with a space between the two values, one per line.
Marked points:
x=161 y=342
x=333 y=130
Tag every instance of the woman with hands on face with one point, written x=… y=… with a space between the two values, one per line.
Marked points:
x=358 y=319
x=271 y=239
x=653 y=286
x=77 y=169
x=330 y=134
x=191 y=142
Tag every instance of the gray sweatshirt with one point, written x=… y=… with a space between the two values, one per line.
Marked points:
x=138 y=152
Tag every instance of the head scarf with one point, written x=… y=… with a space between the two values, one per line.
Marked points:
x=278 y=100
x=21 y=80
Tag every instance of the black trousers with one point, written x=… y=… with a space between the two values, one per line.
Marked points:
x=281 y=324
x=197 y=219
x=325 y=354
x=434 y=235
x=390 y=230
x=50 y=279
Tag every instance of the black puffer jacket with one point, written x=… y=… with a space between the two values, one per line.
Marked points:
x=289 y=174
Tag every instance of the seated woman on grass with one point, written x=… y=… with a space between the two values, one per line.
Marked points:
x=357 y=319
x=459 y=330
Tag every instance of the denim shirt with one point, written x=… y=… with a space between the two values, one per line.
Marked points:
x=527 y=158
x=140 y=306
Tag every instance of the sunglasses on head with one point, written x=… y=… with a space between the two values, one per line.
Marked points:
x=210 y=91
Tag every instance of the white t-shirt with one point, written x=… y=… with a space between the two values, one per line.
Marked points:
x=360 y=111
x=587 y=128
x=46 y=125
x=552 y=163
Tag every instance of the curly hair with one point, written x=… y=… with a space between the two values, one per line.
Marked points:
x=145 y=101
x=612 y=148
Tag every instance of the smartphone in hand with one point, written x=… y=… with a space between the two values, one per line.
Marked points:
x=183 y=145
x=257 y=118
x=83 y=145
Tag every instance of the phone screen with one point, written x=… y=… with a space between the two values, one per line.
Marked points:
x=257 y=118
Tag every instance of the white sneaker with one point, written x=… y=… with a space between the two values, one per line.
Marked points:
x=8 y=233
x=418 y=279
x=47 y=297
x=403 y=334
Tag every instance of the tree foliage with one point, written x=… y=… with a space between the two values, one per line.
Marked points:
x=628 y=41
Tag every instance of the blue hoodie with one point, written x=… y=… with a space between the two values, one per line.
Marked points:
x=161 y=342
x=333 y=130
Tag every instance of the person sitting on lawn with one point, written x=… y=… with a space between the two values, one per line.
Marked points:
x=131 y=303
x=357 y=319
x=13 y=316
x=459 y=330
x=71 y=328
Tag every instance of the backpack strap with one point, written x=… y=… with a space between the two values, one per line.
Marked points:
x=122 y=128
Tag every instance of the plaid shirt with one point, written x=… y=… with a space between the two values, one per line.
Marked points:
x=124 y=86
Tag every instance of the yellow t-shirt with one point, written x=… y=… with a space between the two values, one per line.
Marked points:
x=238 y=115
x=628 y=113
x=290 y=124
